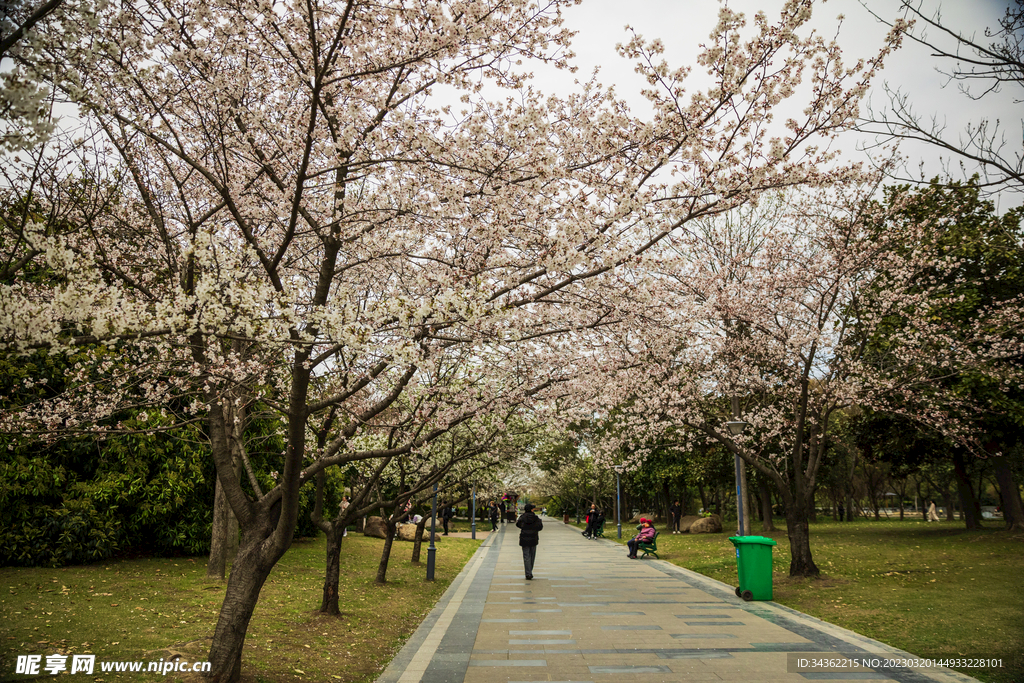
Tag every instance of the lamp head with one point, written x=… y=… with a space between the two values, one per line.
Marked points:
x=736 y=427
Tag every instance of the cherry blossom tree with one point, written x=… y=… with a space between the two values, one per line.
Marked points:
x=473 y=449
x=773 y=304
x=287 y=182
x=342 y=188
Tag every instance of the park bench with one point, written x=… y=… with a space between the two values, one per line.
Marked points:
x=650 y=548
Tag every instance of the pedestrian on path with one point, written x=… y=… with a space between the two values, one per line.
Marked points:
x=446 y=516
x=494 y=516
x=933 y=516
x=502 y=507
x=529 y=537
x=645 y=536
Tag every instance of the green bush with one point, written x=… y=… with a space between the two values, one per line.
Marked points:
x=45 y=536
x=82 y=500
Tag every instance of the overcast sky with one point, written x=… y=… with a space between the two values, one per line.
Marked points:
x=684 y=24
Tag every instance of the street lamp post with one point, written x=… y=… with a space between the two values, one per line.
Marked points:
x=472 y=524
x=736 y=427
x=618 y=499
x=431 y=550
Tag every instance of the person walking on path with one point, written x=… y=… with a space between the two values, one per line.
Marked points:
x=446 y=515
x=933 y=516
x=529 y=537
x=646 y=534
x=676 y=511
x=494 y=516
x=502 y=507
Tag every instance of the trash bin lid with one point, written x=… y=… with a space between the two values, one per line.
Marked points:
x=755 y=540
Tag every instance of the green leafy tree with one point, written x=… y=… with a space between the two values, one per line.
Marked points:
x=982 y=257
x=85 y=498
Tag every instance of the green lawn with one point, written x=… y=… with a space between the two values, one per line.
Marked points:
x=150 y=608
x=933 y=590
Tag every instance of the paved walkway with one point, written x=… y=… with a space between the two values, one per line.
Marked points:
x=592 y=614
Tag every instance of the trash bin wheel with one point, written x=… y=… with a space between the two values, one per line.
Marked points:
x=747 y=595
x=739 y=593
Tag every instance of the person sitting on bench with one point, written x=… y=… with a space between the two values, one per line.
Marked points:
x=646 y=534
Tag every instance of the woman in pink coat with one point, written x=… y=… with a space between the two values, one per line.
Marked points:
x=646 y=535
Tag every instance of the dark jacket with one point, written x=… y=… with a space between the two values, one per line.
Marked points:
x=531 y=526
x=447 y=512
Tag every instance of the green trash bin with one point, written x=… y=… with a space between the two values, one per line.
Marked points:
x=754 y=566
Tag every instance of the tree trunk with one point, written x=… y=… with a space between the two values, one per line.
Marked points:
x=332 y=573
x=703 y=498
x=854 y=458
x=256 y=558
x=216 y=566
x=801 y=563
x=224 y=531
x=971 y=508
x=767 y=524
x=232 y=537
x=1013 y=510
x=224 y=535
x=382 y=568
x=667 y=494
x=418 y=542
x=746 y=504
x=871 y=483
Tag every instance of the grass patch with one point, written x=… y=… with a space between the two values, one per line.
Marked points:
x=935 y=590
x=148 y=609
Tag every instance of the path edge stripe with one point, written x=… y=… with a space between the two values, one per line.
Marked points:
x=397 y=668
x=941 y=674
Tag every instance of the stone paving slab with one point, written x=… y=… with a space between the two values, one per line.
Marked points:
x=593 y=615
